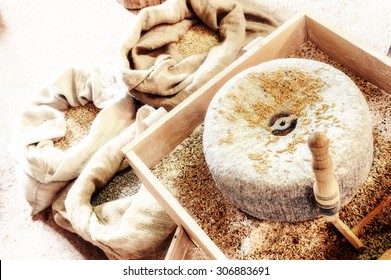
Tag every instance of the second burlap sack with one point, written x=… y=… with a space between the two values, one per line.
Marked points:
x=133 y=227
x=153 y=69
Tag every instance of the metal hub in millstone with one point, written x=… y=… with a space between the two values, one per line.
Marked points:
x=282 y=123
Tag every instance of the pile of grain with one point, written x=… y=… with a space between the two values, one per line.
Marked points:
x=124 y=184
x=78 y=123
x=197 y=40
x=241 y=236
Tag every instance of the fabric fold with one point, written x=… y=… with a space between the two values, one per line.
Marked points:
x=45 y=169
x=127 y=228
x=150 y=65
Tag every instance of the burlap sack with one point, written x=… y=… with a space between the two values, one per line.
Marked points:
x=150 y=63
x=127 y=228
x=139 y=4
x=43 y=169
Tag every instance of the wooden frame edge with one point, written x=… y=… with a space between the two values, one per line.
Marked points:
x=173 y=208
x=349 y=51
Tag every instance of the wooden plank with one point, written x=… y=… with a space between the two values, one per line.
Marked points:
x=349 y=235
x=179 y=245
x=350 y=52
x=368 y=218
x=386 y=255
x=167 y=133
x=173 y=208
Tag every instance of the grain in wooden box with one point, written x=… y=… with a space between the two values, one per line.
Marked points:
x=165 y=135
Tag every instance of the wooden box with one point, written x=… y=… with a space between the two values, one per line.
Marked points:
x=165 y=135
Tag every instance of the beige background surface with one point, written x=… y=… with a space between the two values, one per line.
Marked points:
x=39 y=38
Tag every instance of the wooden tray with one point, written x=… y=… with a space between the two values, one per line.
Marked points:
x=166 y=134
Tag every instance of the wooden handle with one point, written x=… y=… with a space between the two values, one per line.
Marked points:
x=173 y=208
x=349 y=235
x=326 y=189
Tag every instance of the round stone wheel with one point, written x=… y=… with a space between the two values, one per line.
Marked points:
x=256 y=131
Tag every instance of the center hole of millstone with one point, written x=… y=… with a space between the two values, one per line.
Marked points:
x=282 y=123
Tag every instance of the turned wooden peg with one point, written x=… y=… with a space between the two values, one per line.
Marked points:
x=326 y=188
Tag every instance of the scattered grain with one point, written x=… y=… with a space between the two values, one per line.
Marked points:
x=289 y=91
x=228 y=139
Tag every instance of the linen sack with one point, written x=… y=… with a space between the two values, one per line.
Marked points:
x=43 y=169
x=139 y=4
x=129 y=228
x=150 y=62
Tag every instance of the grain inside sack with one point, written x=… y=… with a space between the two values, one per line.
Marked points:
x=61 y=127
x=154 y=67
x=78 y=124
x=132 y=227
x=240 y=236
